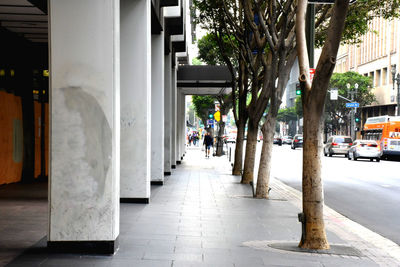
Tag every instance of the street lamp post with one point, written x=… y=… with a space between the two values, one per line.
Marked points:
x=396 y=79
x=353 y=110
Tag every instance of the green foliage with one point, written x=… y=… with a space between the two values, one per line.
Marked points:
x=209 y=51
x=287 y=114
x=360 y=14
x=196 y=61
x=336 y=110
x=201 y=106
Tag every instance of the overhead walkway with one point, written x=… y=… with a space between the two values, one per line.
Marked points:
x=204 y=80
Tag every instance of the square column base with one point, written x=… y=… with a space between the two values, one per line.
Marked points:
x=135 y=200
x=87 y=247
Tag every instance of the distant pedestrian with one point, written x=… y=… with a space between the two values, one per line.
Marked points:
x=194 y=139
x=208 y=142
x=190 y=139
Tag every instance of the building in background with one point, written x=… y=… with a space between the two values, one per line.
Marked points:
x=374 y=57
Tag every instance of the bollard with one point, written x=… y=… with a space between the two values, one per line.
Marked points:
x=252 y=188
x=302 y=219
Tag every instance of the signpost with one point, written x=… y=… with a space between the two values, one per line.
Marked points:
x=312 y=73
x=224 y=118
x=334 y=94
x=217 y=116
x=353 y=105
x=210 y=123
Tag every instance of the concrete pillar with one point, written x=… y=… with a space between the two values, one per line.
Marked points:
x=178 y=127
x=181 y=125
x=135 y=100
x=173 y=120
x=85 y=126
x=157 y=109
x=183 y=128
x=167 y=115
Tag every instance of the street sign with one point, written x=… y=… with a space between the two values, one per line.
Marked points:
x=334 y=94
x=224 y=118
x=217 y=116
x=353 y=105
x=312 y=73
x=210 y=122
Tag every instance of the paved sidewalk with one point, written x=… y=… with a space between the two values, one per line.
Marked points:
x=203 y=216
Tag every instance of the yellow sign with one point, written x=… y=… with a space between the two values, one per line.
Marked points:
x=46 y=73
x=217 y=116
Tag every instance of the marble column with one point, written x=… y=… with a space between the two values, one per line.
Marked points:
x=167 y=114
x=173 y=120
x=135 y=100
x=157 y=108
x=85 y=126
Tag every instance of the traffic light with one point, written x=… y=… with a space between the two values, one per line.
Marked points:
x=357 y=118
x=298 y=89
x=211 y=114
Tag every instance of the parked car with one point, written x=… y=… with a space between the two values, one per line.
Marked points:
x=365 y=149
x=287 y=140
x=337 y=145
x=277 y=140
x=297 y=141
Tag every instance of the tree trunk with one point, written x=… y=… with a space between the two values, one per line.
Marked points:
x=314 y=236
x=220 y=139
x=238 y=164
x=264 y=170
x=313 y=196
x=251 y=145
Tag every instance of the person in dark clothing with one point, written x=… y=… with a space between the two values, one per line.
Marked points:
x=208 y=142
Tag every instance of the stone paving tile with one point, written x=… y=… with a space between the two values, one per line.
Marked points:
x=200 y=264
x=173 y=256
x=140 y=263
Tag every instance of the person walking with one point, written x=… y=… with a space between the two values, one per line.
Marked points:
x=208 y=142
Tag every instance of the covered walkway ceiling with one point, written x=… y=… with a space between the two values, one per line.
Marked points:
x=204 y=80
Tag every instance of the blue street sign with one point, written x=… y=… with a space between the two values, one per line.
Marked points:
x=210 y=122
x=353 y=105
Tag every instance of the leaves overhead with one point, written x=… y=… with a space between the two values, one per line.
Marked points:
x=336 y=110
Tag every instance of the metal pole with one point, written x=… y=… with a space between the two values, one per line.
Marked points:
x=310 y=33
x=352 y=118
x=398 y=93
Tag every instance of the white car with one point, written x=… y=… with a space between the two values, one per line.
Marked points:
x=365 y=149
x=287 y=140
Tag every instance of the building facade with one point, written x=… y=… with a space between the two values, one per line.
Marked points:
x=375 y=56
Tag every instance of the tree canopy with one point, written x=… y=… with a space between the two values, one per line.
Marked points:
x=201 y=106
x=336 y=110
